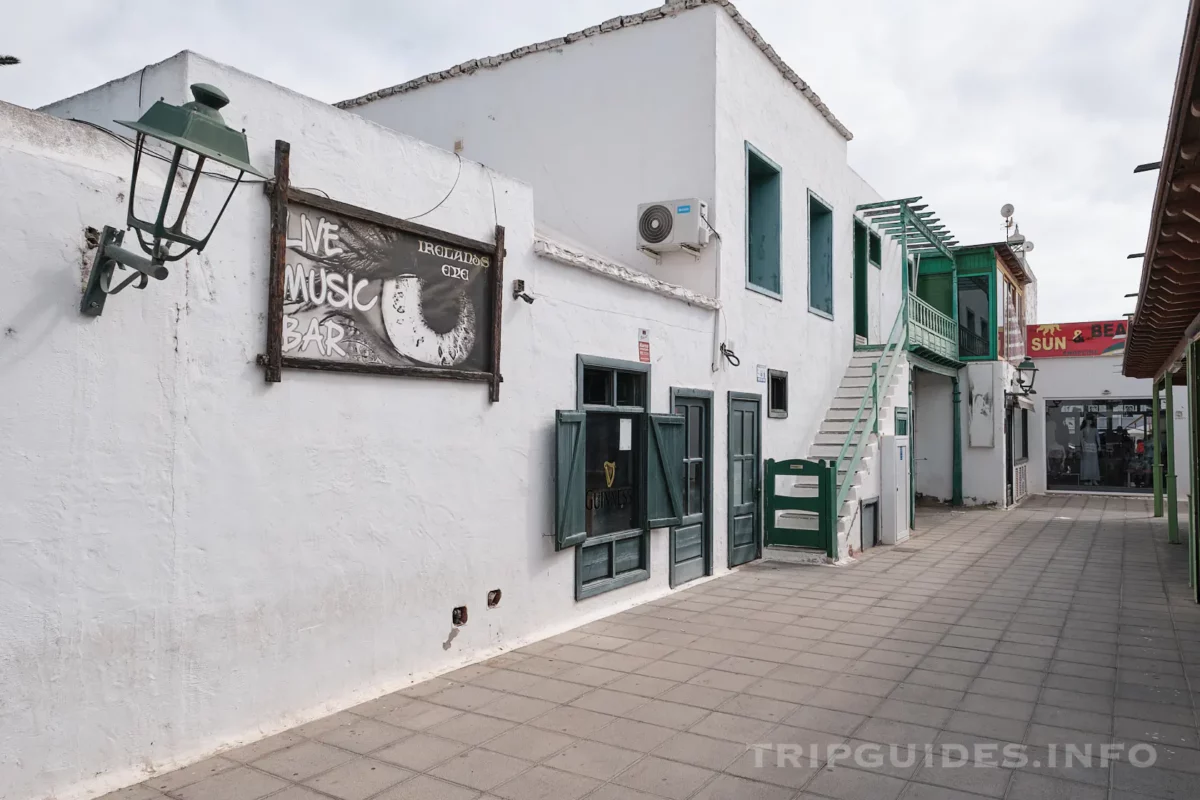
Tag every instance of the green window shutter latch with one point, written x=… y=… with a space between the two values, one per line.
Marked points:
x=570 y=480
x=664 y=471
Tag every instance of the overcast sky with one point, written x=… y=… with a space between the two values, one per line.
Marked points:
x=1047 y=106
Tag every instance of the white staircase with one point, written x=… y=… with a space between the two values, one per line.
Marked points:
x=833 y=431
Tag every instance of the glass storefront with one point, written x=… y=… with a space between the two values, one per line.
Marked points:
x=1100 y=445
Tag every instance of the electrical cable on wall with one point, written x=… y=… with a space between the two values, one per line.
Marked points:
x=730 y=356
x=447 y=197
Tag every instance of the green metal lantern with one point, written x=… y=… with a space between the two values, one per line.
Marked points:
x=196 y=127
x=1026 y=374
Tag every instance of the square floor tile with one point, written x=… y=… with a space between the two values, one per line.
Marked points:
x=572 y=721
x=420 y=751
x=730 y=787
x=471 y=728
x=543 y=783
x=358 y=779
x=632 y=735
x=301 y=761
x=241 y=783
x=594 y=759
x=670 y=779
x=423 y=787
x=481 y=769
x=191 y=774
x=529 y=743
x=700 y=751
x=364 y=735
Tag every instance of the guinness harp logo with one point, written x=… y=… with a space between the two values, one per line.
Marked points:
x=610 y=472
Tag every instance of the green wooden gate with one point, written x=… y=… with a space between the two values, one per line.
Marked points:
x=817 y=504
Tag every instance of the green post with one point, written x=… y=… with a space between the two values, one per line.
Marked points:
x=1156 y=443
x=874 y=396
x=956 y=497
x=1172 y=490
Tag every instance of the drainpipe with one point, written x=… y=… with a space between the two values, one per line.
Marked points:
x=1156 y=440
x=956 y=496
x=1172 y=490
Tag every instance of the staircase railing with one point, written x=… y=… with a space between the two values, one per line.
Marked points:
x=868 y=410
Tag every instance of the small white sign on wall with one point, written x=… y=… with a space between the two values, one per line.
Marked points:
x=760 y=373
x=626 y=435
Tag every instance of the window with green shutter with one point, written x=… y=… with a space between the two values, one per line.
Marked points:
x=618 y=475
x=820 y=257
x=764 y=223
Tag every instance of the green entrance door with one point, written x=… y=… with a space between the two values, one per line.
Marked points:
x=861 y=325
x=745 y=478
x=691 y=540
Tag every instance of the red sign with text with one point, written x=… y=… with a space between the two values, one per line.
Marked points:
x=1070 y=339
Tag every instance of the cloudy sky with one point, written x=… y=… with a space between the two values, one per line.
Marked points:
x=1047 y=106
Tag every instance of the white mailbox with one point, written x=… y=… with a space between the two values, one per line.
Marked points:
x=895 y=462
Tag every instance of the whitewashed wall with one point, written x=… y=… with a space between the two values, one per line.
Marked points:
x=190 y=558
x=984 y=477
x=1089 y=379
x=933 y=435
x=584 y=107
x=596 y=127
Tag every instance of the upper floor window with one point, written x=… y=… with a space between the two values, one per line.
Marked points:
x=974 y=316
x=1010 y=340
x=875 y=249
x=764 y=223
x=820 y=256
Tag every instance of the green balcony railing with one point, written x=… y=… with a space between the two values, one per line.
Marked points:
x=931 y=329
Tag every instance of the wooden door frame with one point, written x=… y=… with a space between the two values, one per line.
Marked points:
x=758 y=471
x=709 y=400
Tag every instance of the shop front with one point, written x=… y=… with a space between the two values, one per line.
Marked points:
x=1099 y=445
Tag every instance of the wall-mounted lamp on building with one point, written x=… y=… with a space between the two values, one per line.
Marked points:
x=195 y=127
x=1026 y=374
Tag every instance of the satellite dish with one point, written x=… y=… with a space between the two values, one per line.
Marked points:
x=1007 y=210
x=1029 y=247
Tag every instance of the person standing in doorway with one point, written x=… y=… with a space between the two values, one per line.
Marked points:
x=1089 y=464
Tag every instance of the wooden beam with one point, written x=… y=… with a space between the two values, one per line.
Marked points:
x=1188 y=179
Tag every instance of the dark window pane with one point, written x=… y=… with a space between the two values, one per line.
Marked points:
x=596 y=562
x=974 y=305
x=614 y=483
x=597 y=387
x=628 y=555
x=695 y=488
x=764 y=216
x=777 y=394
x=820 y=256
x=695 y=432
x=876 y=249
x=629 y=388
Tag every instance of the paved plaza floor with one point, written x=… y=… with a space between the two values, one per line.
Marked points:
x=1017 y=641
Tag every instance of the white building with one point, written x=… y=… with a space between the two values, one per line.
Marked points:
x=1080 y=386
x=193 y=559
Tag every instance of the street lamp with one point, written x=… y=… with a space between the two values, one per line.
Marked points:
x=1027 y=371
x=195 y=127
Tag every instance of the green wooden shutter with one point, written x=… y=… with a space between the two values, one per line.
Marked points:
x=570 y=480
x=664 y=470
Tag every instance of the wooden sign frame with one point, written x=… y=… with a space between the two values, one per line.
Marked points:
x=281 y=193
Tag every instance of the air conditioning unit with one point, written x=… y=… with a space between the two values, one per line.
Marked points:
x=672 y=225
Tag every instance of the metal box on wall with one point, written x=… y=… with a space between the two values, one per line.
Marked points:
x=895 y=460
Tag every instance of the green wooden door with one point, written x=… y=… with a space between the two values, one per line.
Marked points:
x=745 y=479
x=861 y=322
x=691 y=540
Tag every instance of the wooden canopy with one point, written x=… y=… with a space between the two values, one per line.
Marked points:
x=1168 y=309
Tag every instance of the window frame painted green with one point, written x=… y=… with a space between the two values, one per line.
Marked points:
x=992 y=323
x=874 y=249
x=752 y=152
x=582 y=592
x=828 y=209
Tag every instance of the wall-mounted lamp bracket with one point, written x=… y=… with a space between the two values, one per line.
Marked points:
x=109 y=254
